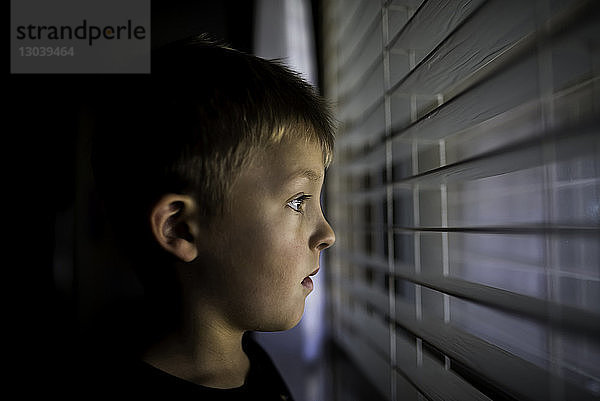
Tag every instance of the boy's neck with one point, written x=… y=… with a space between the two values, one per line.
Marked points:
x=206 y=352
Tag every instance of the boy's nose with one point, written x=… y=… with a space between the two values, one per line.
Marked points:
x=325 y=236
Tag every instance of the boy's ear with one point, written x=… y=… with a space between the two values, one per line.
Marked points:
x=174 y=226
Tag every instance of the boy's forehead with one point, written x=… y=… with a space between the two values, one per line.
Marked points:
x=308 y=173
x=291 y=159
x=295 y=154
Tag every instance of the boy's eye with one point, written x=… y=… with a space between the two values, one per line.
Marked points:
x=297 y=204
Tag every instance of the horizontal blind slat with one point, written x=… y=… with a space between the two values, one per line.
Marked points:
x=516 y=377
x=430 y=377
x=561 y=316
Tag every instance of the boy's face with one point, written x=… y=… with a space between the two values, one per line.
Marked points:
x=254 y=258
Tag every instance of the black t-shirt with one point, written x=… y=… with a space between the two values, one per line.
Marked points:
x=262 y=383
x=131 y=378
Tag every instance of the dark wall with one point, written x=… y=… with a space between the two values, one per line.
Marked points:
x=230 y=20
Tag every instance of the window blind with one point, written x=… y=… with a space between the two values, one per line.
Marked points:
x=465 y=195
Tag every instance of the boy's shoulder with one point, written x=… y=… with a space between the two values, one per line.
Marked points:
x=127 y=376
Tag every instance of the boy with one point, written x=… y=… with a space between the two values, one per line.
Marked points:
x=211 y=173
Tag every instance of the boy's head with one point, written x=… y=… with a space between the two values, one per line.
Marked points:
x=216 y=162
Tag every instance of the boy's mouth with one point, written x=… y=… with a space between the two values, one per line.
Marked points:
x=307 y=282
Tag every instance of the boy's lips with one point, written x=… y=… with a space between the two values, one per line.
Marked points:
x=307 y=282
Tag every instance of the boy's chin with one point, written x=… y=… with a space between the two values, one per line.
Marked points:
x=284 y=324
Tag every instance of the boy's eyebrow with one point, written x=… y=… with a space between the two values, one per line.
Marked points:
x=309 y=174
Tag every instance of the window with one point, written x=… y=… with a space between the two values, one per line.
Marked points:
x=465 y=195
